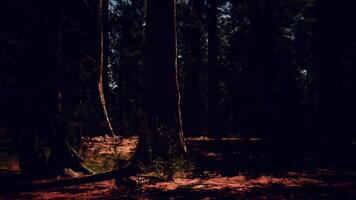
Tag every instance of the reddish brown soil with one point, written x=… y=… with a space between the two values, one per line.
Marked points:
x=223 y=170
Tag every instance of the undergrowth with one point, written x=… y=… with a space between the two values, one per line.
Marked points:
x=178 y=167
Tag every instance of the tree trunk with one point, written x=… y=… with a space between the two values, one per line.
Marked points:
x=162 y=134
x=103 y=61
x=213 y=67
x=191 y=97
x=46 y=105
x=334 y=88
x=329 y=80
x=62 y=156
x=106 y=48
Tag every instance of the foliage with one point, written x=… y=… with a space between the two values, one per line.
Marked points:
x=176 y=167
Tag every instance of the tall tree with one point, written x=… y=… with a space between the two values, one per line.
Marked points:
x=52 y=86
x=61 y=67
x=103 y=38
x=213 y=67
x=162 y=133
x=191 y=89
x=335 y=56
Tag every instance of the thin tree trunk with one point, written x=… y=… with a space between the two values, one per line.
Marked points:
x=106 y=48
x=101 y=65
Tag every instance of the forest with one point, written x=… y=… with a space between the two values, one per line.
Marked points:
x=178 y=99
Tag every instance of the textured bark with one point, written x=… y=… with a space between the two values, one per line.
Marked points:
x=162 y=133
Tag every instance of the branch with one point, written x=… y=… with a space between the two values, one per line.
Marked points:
x=28 y=187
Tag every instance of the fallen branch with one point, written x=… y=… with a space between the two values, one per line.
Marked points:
x=122 y=174
x=27 y=187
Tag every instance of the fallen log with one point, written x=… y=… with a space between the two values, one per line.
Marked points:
x=12 y=187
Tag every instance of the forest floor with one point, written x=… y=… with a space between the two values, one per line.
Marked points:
x=227 y=168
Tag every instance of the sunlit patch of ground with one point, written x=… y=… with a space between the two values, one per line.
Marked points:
x=244 y=183
x=293 y=185
x=208 y=182
x=238 y=183
x=102 y=153
x=235 y=186
x=111 y=145
x=204 y=138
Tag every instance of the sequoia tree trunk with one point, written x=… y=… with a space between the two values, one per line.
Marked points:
x=161 y=133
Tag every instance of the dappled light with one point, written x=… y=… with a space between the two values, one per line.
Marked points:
x=235 y=183
x=177 y=99
x=208 y=181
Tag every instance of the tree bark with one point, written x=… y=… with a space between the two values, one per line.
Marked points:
x=213 y=67
x=191 y=97
x=103 y=61
x=161 y=133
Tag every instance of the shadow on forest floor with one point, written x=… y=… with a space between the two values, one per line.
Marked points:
x=230 y=168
